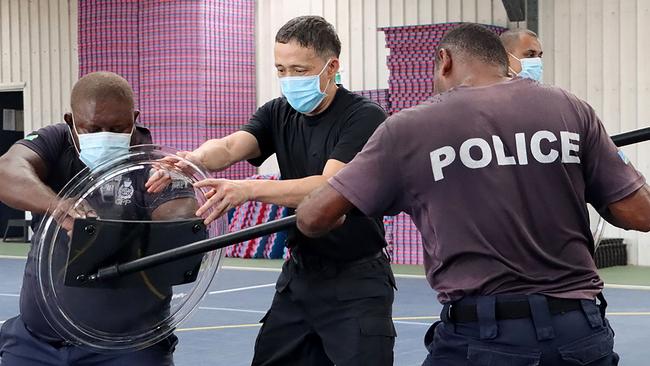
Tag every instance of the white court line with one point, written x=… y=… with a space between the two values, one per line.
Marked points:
x=231 y=309
x=264 y=312
x=411 y=323
x=264 y=269
x=258 y=269
x=423 y=277
x=241 y=289
x=12 y=257
x=10 y=295
x=628 y=287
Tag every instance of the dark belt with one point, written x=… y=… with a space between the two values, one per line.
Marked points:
x=378 y=255
x=318 y=262
x=56 y=343
x=511 y=309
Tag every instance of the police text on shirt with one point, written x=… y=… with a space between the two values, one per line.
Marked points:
x=543 y=146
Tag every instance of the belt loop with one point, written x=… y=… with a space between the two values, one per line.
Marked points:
x=594 y=313
x=386 y=254
x=297 y=264
x=486 y=314
x=541 y=316
x=603 y=304
x=445 y=316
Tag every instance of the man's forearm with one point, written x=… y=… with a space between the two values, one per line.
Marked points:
x=214 y=155
x=219 y=154
x=288 y=193
x=323 y=210
x=23 y=190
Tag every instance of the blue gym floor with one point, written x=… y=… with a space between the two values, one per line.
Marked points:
x=222 y=331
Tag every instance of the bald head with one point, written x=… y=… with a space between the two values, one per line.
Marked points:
x=101 y=86
x=101 y=102
x=511 y=38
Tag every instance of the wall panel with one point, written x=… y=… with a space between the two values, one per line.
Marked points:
x=363 y=55
x=38 y=48
x=598 y=50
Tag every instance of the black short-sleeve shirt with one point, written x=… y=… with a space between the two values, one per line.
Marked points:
x=303 y=145
x=124 y=197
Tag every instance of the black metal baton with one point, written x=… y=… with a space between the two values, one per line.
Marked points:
x=631 y=137
x=202 y=246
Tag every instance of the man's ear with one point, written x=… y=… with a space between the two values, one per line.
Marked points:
x=68 y=119
x=446 y=62
x=333 y=67
x=136 y=114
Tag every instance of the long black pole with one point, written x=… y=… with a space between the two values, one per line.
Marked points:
x=203 y=246
x=198 y=247
x=631 y=137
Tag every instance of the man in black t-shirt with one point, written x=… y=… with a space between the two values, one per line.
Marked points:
x=102 y=124
x=334 y=297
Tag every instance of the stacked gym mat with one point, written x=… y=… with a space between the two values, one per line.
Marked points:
x=191 y=64
x=410 y=62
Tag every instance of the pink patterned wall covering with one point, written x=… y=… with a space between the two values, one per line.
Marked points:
x=191 y=64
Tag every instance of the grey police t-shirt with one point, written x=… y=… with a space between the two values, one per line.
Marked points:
x=496 y=178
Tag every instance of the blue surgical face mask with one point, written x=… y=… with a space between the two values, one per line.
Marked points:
x=531 y=68
x=97 y=147
x=303 y=92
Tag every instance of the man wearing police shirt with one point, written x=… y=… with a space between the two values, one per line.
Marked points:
x=101 y=125
x=499 y=192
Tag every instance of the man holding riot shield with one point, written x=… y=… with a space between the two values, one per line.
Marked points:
x=101 y=125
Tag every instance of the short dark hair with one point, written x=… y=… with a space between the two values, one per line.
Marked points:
x=509 y=37
x=474 y=41
x=312 y=32
x=101 y=85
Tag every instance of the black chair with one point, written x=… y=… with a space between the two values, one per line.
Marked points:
x=15 y=223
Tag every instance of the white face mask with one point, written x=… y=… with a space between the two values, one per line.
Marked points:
x=97 y=147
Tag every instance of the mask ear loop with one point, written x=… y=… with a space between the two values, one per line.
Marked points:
x=515 y=57
x=520 y=65
x=328 y=80
x=74 y=142
x=131 y=133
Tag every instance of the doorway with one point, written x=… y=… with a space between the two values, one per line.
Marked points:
x=12 y=121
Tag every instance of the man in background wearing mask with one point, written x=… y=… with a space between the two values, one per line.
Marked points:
x=524 y=53
x=334 y=297
x=35 y=169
